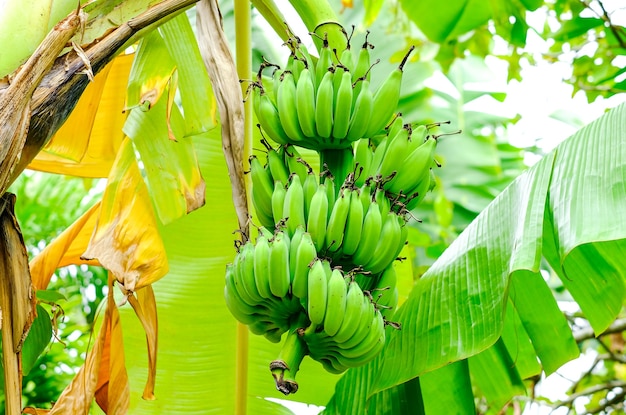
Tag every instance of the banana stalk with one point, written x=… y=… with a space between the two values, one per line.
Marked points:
x=294 y=349
x=339 y=162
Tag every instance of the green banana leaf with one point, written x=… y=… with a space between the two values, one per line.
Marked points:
x=570 y=208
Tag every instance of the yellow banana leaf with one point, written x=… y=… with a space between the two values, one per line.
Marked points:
x=126 y=240
x=87 y=143
x=65 y=250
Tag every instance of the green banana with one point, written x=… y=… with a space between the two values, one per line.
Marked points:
x=293 y=205
x=377 y=158
x=317 y=293
x=279 y=276
x=318 y=217
x=354 y=224
x=262 y=189
x=247 y=271
x=294 y=243
x=286 y=103
x=370 y=234
x=277 y=166
x=305 y=254
x=362 y=161
x=305 y=103
x=342 y=106
x=324 y=106
x=363 y=61
x=267 y=114
x=386 y=292
x=386 y=98
x=359 y=120
x=337 y=221
x=242 y=311
x=364 y=326
x=323 y=63
x=309 y=188
x=352 y=314
x=240 y=279
x=278 y=201
x=389 y=242
x=368 y=348
x=336 y=302
x=395 y=154
x=262 y=266
x=419 y=161
x=291 y=157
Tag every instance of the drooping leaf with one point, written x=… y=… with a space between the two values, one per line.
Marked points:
x=126 y=240
x=457 y=308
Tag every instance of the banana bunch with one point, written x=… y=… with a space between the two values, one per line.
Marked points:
x=324 y=104
x=258 y=283
x=401 y=162
x=346 y=328
x=321 y=275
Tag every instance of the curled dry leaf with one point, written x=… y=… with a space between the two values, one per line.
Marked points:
x=223 y=73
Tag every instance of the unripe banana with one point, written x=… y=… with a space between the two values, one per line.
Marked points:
x=365 y=324
x=385 y=293
x=336 y=302
x=262 y=266
x=262 y=189
x=299 y=65
x=361 y=113
x=418 y=137
x=280 y=280
x=383 y=201
x=386 y=98
x=305 y=100
x=277 y=166
x=291 y=156
x=293 y=207
x=294 y=242
x=247 y=271
x=317 y=293
x=417 y=194
x=240 y=280
x=347 y=58
x=370 y=234
x=388 y=244
x=363 y=156
x=309 y=187
x=268 y=117
x=286 y=103
x=395 y=154
x=363 y=61
x=324 y=106
x=241 y=310
x=323 y=63
x=318 y=217
x=331 y=193
x=278 y=201
x=337 y=221
x=354 y=224
x=377 y=158
x=420 y=161
x=352 y=315
x=305 y=254
x=365 y=194
x=343 y=107
x=366 y=349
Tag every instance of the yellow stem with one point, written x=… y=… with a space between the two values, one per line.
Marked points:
x=243 y=55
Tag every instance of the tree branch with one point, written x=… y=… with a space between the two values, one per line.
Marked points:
x=618 y=326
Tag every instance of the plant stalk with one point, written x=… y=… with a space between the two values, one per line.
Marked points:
x=339 y=163
x=243 y=57
x=319 y=17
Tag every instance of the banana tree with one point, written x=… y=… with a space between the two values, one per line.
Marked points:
x=481 y=319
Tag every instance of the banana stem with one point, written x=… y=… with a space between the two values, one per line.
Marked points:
x=339 y=163
x=284 y=368
x=319 y=17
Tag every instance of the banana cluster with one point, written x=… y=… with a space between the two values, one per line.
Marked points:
x=279 y=285
x=320 y=274
x=324 y=104
x=401 y=162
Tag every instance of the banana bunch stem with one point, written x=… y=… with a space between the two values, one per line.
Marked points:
x=284 y=368
x=338 y=162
